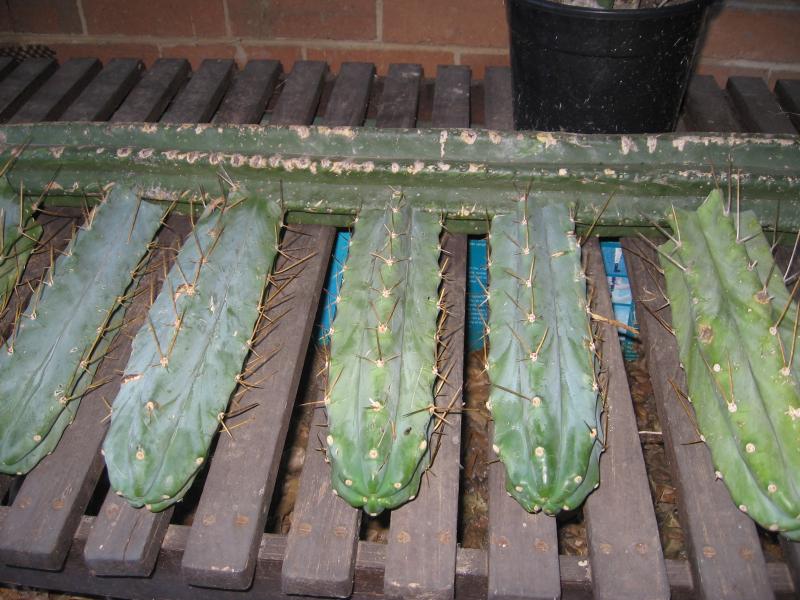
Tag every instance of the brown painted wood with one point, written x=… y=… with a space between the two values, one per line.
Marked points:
x=421 y=554
x=58 y=92
x=497 y=99
x=624 y=547
x=247 y=98
x=7 y=65
x=707 y=107
x=523 y=547
x=103 y=95
x=158 y=86
x=321 y=546
x=757 y=109
x=299 y=98
x=347 y=105
x=788 y=94
x=22 y=82
x=722 y=543
x=400 y=97
x=38 y=529
x=197 y=101
x=451 y=97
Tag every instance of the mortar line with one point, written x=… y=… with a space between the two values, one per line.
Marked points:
x=82 y=16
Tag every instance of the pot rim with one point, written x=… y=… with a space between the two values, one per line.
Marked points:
x=618 y=15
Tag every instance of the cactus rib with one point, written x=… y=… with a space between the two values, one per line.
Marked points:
x=20 y=235
x=544 y=398
x=382 y=368
x=740 y=375
x=69 y=324
x=187 y=357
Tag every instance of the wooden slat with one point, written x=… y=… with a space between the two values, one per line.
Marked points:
x=523 y=547
x=7 y=65
x=247 y=98
x=421 y=555
x=451 y=97
x=200 y=98
x=106 y=91
x=153 y=93
x=791 y=553
x=757 y=108
x=221 y=549
x=38 y=530
x=321 y=544
x=52 y=99
x=788 y=93
x=722 y=543
x=497 y=99
x=347 y=105
x=296 y=106
x=400 y=97
x=624 y=547
x=707 y=107
x=22 y=82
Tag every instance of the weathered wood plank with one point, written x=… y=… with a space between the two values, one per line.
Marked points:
x=197 y=101
x=707 y=107
x=103 y=95
x=624 y=547
x=53 y=98
x=400 y=96
x=791 y=553
x=523 y=547
x=247 y=98
x=788 y=94
x=347 y=105
x=722 y=543
x=153 y=93
x=451 y=97
x=757 y=109
x=299 y=98
x=7 y=65
x=421 y=554
x=22 y=82
x=497 y=99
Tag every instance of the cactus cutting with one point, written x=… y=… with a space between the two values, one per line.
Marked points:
x=382 y=371
x=50 y=360
x=186 y=359
x=545 y=398
x=736 y=327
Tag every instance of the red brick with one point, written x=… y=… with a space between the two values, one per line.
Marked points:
x=45 y=16
x=754 y=35
x=287 y=55
x=463 y=23
x=5 y=18
x=382 y=58
x=145 y=52
x=722 y=72
x=479 y=62
x=249 y=18
x=167 y=18
x=196 y=53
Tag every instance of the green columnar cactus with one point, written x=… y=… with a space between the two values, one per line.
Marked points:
x=187 y=357
x=736 y=331
x=544 y=398
x=57 y=345
x=20 y=235
x=383 y=366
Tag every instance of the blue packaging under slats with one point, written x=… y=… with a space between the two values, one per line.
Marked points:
x=620 y=288
x=477 y=281
x=333 y=282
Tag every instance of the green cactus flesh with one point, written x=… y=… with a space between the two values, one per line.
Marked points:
x=69 y=323
x=383 y=366
x=19 y=238
x=187 y=357
x=727 y=301
x=544 y=398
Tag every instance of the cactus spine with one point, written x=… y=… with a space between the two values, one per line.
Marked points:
x=382 y=369
x=187 y=357
x=544 y=398
x=20 y=235
x=56 y=347
x=736 y=328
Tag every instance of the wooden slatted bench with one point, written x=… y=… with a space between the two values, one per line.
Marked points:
x=47 y=540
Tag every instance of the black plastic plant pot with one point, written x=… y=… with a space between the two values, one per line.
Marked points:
x=591 y=70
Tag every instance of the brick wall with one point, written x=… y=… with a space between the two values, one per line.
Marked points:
x=751 y=37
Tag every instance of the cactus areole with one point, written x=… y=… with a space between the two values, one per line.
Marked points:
x=327 y=174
